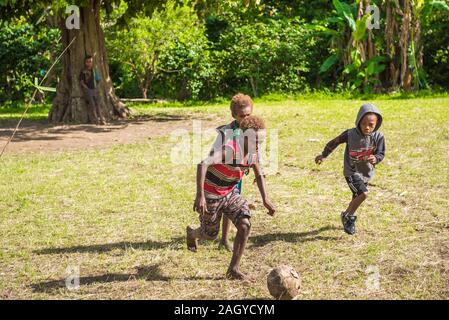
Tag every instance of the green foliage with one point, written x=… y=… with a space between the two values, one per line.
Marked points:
x=345 y=10
x=265 y=56
x=329 y=62
x=187 y=69
x=359 y=74
x=141 y=46
x=25 y=53
x=436 y=39
x=208 y=49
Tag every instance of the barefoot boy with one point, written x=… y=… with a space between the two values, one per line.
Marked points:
x=217 y=178
x=241 y=107
x=365 y=148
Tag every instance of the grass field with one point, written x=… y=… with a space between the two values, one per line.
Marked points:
x=119 y=213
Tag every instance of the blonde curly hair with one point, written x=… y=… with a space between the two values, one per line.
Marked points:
x=254 y=132
x=253 y=122
x=240 y=101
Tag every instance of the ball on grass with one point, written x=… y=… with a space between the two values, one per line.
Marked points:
x=283 y=283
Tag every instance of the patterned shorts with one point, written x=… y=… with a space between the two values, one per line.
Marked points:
x=233 y=206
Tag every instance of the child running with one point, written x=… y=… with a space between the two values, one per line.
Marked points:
x=217 y=178
x=241 y=107
x=365 y=148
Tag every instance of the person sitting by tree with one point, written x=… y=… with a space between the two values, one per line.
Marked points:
x=89 y=79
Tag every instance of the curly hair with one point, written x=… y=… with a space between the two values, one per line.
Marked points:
x=252 y=122
x=240 y=101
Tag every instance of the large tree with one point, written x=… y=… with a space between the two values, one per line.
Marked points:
x=69 y=104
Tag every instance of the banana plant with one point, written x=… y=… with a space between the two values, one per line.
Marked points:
x=344 y=18
x=422 y=9
x=360 y=74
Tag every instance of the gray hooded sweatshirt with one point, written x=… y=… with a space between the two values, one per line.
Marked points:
x=359 y=146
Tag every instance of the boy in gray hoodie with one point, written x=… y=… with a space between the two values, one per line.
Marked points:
x=365 y=148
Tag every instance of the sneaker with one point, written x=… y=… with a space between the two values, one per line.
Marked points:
x=348 y=221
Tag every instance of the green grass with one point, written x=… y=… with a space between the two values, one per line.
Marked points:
x=120 y=213
x=14 y=110
x=13 y=113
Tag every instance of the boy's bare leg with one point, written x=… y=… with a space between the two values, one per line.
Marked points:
x=94 y=111
x=243 y=229
x=224 y=242
x=100 y=118
x=192 y=238
x=356 y=202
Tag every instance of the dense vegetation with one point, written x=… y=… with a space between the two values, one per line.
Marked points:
x=203 y=50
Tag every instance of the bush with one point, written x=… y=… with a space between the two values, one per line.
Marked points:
x=265 y=56
x=25 y=53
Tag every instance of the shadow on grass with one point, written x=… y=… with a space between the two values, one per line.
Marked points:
x=293 y=237
x=175 y=243
x=160 y=117
x=150 y=273
x=40 y=129
x=147 y=273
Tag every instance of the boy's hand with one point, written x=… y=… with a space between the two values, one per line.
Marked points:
x=270 y=207
x=200 y=205
x=319 y=159
x=372 y=159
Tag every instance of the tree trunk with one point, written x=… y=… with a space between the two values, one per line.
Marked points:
x=69 y=104
x=253 y=86
x=404 y=45
x=144 y=93
x=391 y=78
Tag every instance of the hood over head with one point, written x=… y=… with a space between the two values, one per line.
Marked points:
x=368 y=108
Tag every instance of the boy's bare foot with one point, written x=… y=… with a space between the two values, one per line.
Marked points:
x=225 y=245
x=235 y=274
x=192 y=243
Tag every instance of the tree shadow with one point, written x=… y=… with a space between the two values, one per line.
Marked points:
x=175 y=243
x=35 y=130
x=293 y=237
x=147 y=273
x=159 y=117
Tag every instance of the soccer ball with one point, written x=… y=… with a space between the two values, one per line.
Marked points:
x=283 y=283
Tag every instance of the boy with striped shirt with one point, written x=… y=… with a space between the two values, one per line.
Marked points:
x=241 y=107
x=217 y=195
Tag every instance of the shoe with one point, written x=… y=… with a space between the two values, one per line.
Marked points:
x=348 y=221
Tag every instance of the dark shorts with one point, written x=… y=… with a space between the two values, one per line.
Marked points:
x=233 y=206
x=357 y=185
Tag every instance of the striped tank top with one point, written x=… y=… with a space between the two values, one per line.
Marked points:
x=221 y=179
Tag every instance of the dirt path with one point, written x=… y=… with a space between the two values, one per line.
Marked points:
x=40 y=136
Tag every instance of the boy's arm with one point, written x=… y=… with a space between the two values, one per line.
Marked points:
x=200 y=200
x=331 y=146
x=82 y=78
x=334 y=143
x=97 y=76
x=261 y=185
x=380 y=149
